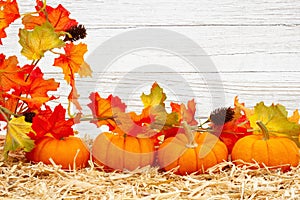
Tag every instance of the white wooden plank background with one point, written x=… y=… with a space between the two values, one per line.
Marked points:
x=255 y=45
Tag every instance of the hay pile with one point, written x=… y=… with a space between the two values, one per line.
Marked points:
x=22 y=180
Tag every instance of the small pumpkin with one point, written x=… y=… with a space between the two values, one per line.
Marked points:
x=119 y=151
x=191 y=152
x=69 y=152
x=271 y=151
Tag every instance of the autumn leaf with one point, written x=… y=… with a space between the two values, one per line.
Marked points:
x=231 y=124
x=58 y=17
x=16 y=136
x=38 y=86
x=8 y=102
x=104 y=109
x=275 y=119
x=241 y=107
x=295 y=117
x=9 y=12
x=11 y=75
x=35 y=43
x=52 y=122
x=185 y=113
x=156 y=96
x=126 y=124
x=85 y=70
x=72 y=61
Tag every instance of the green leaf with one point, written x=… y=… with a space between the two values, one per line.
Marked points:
x=275 y=119
x=35 y=43
x=16 y=136
x=156 y=96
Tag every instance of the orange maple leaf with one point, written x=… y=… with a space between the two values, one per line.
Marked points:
x=105 y=110
x=72 y=60
x=58 y=17
x=11 y=75
x=38 y=88
x=185 y=114
x=9 y=12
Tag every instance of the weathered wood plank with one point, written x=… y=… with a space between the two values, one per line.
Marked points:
x=251 y=87
x=237 y=35
x=230 y=48
x=131 y=13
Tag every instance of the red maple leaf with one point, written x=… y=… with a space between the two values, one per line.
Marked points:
x=9 y=12
x=51 y=122
x=58 y=17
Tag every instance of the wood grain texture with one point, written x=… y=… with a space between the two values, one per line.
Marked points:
x=255 y=46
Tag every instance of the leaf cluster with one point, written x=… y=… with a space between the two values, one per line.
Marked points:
x=24 y=91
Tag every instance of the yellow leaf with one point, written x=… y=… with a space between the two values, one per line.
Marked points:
x=16 y=136
x=156 y=96
x=275 y=119
x=35 y=43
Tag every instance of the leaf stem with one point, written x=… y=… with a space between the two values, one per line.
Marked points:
x=201 y=125
x=37 y=12
x=56 y=52
x=5 y=111
x=264 y=130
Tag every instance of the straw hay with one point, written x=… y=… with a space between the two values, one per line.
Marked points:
x=22 y=180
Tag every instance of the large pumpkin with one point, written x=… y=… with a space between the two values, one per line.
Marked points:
x=271 y=151
x=190 y=154
x=69 y=152
x=118 y=151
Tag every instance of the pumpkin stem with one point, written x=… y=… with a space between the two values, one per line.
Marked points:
x=188 y=132
x=263 y=129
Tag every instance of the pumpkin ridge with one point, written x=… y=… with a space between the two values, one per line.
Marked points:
x=287 y=150
x=44 y=142
x=215 y=155
x=140 y=151
x=108 y=150
x=178 y=160
x=197 y=158
x=123 y=151
x=268 y=150
x=252 y=151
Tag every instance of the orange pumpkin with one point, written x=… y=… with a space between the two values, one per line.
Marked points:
x=62 y=151
x=271 y=151
x=118 y=151
x=191 y=153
